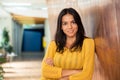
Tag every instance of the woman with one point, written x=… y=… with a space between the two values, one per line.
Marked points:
x=71 y=55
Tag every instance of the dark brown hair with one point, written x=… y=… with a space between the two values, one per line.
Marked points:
x=60 y=37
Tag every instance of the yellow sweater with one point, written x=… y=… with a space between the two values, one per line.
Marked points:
x=83 y=60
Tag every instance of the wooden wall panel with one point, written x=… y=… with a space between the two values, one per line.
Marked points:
x=107 y=40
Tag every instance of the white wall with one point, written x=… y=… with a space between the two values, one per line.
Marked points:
x=47 y=37
x=6 y=21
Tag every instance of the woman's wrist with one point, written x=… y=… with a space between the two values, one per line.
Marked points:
x=69 y=72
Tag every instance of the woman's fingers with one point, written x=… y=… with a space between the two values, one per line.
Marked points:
x=49 y=61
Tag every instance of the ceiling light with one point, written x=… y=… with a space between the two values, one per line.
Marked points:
x=16 y=4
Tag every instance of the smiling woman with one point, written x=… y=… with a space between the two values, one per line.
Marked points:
x=69 y=25
x=71 y=55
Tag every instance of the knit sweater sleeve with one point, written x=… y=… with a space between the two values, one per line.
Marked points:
x=88 y=66
x=47 y=70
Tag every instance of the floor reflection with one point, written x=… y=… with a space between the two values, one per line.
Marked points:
x=23 y=68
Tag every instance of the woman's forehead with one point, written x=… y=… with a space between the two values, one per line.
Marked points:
x=67 y=17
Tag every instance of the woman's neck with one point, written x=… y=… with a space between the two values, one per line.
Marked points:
x=69 y=42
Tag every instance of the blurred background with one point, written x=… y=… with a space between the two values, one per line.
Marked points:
x=27 y=27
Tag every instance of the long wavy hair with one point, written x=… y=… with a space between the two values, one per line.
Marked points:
x=60 y=37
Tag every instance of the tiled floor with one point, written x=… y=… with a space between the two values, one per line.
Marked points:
x=26 y=67
x=22 y=70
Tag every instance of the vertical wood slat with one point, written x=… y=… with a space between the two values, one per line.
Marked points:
x=107 y=40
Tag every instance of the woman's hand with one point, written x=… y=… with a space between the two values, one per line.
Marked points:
x=69 y=72
x=49 y=61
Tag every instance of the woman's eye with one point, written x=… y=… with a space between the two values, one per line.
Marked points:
x=64 y=23
x=73 y=22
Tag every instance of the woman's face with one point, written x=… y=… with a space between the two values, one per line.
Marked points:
x=69 y=25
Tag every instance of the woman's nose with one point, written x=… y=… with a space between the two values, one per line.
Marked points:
x=70 y=26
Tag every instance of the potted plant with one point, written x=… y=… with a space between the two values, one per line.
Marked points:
x=5 y=44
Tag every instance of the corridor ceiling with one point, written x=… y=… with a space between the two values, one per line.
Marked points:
x=26 y=11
